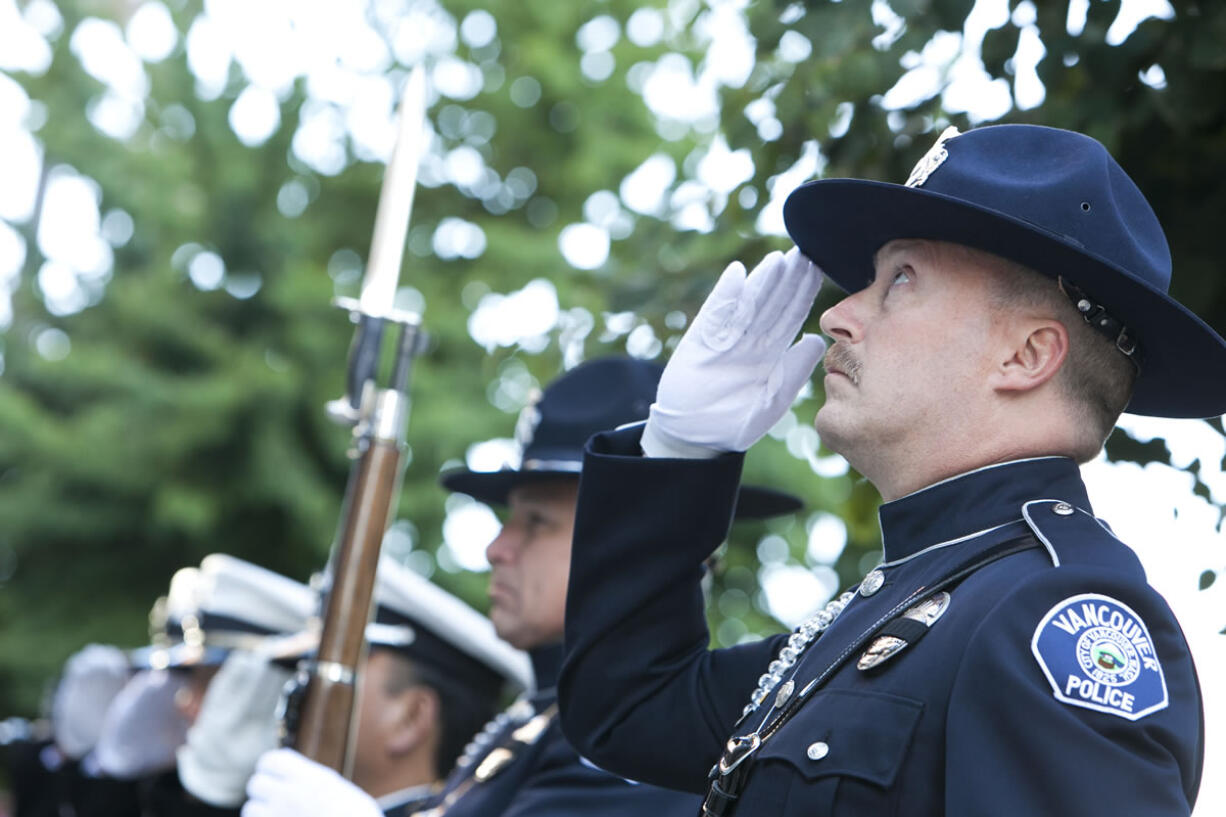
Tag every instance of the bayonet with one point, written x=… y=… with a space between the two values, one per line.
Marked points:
x=322 y=706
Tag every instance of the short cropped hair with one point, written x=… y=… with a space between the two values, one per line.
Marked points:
x=463 y=710
x=1097 y=378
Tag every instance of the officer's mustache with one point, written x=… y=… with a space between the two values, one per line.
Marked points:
x=839 y=358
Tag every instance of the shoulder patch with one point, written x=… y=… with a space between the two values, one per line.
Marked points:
x=1096 y=653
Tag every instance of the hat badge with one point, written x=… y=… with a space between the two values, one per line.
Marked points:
x=529 y=420
x=934 y=158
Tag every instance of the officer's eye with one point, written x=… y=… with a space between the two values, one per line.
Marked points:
x=901 y=276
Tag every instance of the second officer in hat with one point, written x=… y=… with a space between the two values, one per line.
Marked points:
x=521 y=764
x=434 y=674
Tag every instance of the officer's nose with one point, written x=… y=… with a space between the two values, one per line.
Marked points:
x=841 y=321
x=499 y=551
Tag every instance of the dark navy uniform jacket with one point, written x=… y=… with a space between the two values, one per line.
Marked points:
x=45 y=783
x=1057 y=682
x=406 y=802
x=165 y=796
x=544 y=777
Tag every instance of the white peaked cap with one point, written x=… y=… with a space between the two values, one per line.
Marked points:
x=226 y=603
x=416 y=616
x=238 y=596
x=183 y=598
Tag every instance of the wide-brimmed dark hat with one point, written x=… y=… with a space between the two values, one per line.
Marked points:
x=1050 y=199
x=599 y=395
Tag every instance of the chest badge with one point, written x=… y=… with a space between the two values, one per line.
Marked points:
x=903 y=631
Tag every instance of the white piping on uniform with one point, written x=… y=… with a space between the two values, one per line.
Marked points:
x=982 y=468
x=965 y=474
x=1110 y=532
x=1055 y=560
x=948 y=543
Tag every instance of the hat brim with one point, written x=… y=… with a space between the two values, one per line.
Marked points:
x=492 y=488
x=839 y=224
x=177 y=656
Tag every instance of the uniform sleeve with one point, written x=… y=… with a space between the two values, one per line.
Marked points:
x=640 y=694
x=1059 y=706
x=561 y=785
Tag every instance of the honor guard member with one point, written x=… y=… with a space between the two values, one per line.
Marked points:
x=520 y=765
x=50 y=773
x=435 y=673
x=1007 y=657
x=226 y=608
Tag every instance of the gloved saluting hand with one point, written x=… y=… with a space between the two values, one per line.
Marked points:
x=237 y=724
x=286 y=784
x=736 y=370
x=93 y=677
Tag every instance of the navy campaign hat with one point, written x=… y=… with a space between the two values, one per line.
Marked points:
x=595 y=396
x=1050 y=199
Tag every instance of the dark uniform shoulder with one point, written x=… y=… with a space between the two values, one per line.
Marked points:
x=1073 y=536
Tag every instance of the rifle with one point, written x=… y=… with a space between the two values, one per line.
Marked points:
x=319 y=714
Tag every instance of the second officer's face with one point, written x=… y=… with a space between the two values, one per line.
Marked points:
x=530 y=560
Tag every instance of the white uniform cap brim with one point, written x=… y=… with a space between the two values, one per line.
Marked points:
x=408 y=594
x=248 y=593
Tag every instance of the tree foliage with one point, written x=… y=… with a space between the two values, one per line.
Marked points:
x=178 y=410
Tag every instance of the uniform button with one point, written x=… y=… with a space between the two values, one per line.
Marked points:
x=817 y=751
x=872 y=583
x=1062 y=508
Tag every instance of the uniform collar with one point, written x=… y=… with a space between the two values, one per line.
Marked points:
x=413 y=794
x=976 y=502
x=546 y=666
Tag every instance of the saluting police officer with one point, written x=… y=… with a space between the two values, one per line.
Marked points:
x=54 y=773
x=223 y=610
x=1007 y=657
x=521 y=765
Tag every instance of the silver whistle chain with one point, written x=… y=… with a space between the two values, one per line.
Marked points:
x=800 y=638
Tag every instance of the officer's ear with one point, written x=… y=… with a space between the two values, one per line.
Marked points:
x=418 y=719
x=1032 y=351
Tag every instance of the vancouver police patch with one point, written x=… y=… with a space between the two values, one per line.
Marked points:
x=1097 y=653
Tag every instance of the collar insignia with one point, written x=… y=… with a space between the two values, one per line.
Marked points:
x=933 y=159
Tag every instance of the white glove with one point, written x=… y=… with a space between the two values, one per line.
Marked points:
x=286 y=784
x=92 y=678
x=142 y=727
x=736 y=371
x=237 y=723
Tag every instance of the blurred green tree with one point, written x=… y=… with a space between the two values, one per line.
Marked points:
x=170 y=405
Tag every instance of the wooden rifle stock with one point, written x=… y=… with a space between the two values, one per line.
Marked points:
x=322 y=706
x=323 y=729
x=325 y=721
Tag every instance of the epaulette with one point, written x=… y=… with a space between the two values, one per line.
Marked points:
x=1073 y=536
